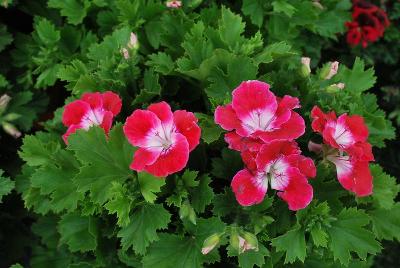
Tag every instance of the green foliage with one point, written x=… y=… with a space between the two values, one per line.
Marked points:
x=6 y=185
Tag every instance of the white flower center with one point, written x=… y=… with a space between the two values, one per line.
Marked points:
x=258 y=120
x=161 y=138
x=92 y=117
x=342 y=136
x=275 y=174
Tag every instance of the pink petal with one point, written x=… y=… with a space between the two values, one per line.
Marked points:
x=305 y=165
x=174 y=160
x=253 y=95
x=73 y=112
x=163 y=112
x=139 y=126
x=292 y=129
x=246 y=191
x=186 y=124
x=226 y=117
x=107 y=121
x=112 y=102
x=273 y=150
x=284 y=111
x=95 y=100
x=240 y=143
x=320 y=119
x=299 y=193
x=357 y=127
x=361 y=151
x=249 y=159
x=362 y=179
x=143 y=158
x=71 y=129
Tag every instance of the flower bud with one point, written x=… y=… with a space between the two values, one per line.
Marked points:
x=247 y=242
x=11 y=130
x=305 y=67
x=317 y=4
x=210 y=243
x=4 y=100
x=186 y=211
x=125 y=53
x=174 y=4
x=314 y=147
x=334 y=88
x=329 y=70
x=133 y=41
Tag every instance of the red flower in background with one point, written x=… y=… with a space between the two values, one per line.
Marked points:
x=164 y=138
x=368 y=24
x=92 y=109
x=346 y=146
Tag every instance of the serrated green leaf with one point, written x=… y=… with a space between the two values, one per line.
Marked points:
x=274 y=51
x=47 y=32
x=120 y=203
x=255 y=10
x=210 y=131
x=252 y=258
x=386 y=223
x=151 y=88
x=283 y=6
x=230 y=27
x=150 y=185
x=225 y=203
x=161 y=63
x=104 y=160
x=46 y=228
x=142 y=230
x=228 y=165
x=35 y=152
x=319 y=237
x=74 y=10
x=385 y=188
x=189 y=178
x=293 y=243
x=202 y=195
x=5 y=37
x=347 y=234
x=78 y=232
x=6 y=185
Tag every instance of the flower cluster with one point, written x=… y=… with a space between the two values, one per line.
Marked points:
x=345 y=145
x=260 y=125
x=263 y=127
x=368 y=24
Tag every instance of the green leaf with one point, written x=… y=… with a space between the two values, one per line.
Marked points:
x=357 y=79
x=385 y=188
x=47 y=32
x=74 y=10
x=210 y=131
x=78 y=232
x=120 y=203
x=293 y=243
x=251 y=258
x=230 y=27
x=225 y=204
x=202 y=195
x=151 y=88
x=46 y=228
x=386 y=223
x=283 y=7
x=189 y=178
x=142 y=230
x=319 y=237
x=150 y=185
x=6 y=185
x=104 y=160
x=274 y=51
x=161 y=63
x=228 y=165
x=255 y=10
x=5 y=37
x=35 y=152
x=347 y=234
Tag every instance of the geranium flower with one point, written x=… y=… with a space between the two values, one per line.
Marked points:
x=280 y=165
x=346 y=146
x=368 y=24
x=164 y=138
x=92 y=109
x=255 y=112
x=174 y=4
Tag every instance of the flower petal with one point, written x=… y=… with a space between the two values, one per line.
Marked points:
x=143 y=158
x=361 y=151
x=163 y=111
x=107 y=121
x=299 y=193
x=276 y=149
x=139 y=126
x=74 y=111
x=112 y=102
x=246 y=191
x=357 y=127
x=320 y=119
x=240 y=143
x=226 y=117
x=305 y=165
x=173 y=160
x=186 y=124
x=292 y=129
x=71 y=129
x=95 y=100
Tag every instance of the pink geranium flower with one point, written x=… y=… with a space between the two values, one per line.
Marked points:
x=280 y=165
x=92 y=109
x=255 y=112
x=164 y=138
x=347 y=147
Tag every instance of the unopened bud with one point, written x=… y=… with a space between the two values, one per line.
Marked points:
x=125 y=53
x=329 y=70
x=305 y=66
x=317 y=4
x=314 y=147
x=247 y=242
x=210 y=243
x=133 y=41
x=186 y=211
x=11 y=130
x=334 y=88
x=174 y=4
x=4 y=100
